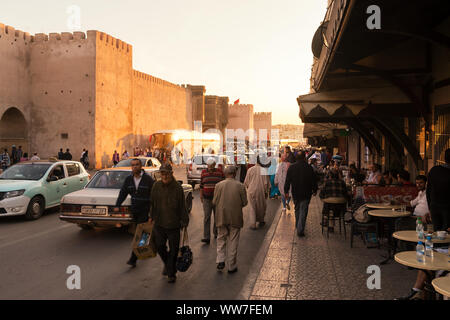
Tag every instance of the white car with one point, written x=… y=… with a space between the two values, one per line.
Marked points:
x=147 y=162
x=93 y=206
x=198 y=163
x=28 y=188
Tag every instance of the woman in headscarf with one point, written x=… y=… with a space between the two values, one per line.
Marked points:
x=280 y=178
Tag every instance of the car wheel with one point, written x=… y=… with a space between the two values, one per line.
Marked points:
x=189 y=203
x=35 y=208
x=86 y=227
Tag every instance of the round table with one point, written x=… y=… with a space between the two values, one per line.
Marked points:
x=411 y=236
x=383 y=206
x=440 y=261
x=442 y=285
x=335 y=200
x=389 y=213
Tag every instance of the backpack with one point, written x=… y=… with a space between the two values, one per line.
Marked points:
x=361 y=215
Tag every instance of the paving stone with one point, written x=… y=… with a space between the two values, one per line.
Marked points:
x=314 y=267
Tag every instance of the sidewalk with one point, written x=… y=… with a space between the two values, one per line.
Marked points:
x=315 y=268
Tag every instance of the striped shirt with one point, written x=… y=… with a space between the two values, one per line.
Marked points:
x=208 y=182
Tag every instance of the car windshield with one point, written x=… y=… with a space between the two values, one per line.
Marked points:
x=108 y=179
x=127 y=162
x=34 y=171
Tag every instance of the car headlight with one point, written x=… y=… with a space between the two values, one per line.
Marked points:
x=12 y=194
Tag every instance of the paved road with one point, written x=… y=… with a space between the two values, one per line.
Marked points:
x=35 y=255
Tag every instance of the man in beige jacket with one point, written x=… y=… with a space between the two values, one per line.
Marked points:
x=229 y=199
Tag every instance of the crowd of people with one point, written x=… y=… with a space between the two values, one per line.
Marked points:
x=17 y=155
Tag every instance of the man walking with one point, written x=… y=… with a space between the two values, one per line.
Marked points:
x=229 y=199
x=301 y=177
x=139 y=186
x=19 y=154
x=169 y=215
x=61 y=154
x=209 y=178
x=257 y=184
x=67 y=155
x=115 y=158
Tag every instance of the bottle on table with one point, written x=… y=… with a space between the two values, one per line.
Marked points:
x=420 y=252
x=429 y=247
x=419 y=229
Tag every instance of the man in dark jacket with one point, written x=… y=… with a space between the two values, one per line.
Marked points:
x=438 y=191
x=67 y=155
x=169 y=215
x=304 y=184
x=61 y=154
x=139 y=186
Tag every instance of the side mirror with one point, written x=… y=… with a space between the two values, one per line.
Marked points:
x=52 y=179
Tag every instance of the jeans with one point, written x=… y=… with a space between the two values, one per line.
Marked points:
x=207 y=210
x=169 y=258
x=283 y=199
x=301 y=212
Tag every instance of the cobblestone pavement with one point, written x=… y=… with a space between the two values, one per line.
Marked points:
x=317 y=268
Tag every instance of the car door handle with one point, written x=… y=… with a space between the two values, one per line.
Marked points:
x=81 y=180
x=64 y=184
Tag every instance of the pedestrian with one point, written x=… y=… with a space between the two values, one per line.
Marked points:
x=61 y=154
x=324 y=158
x=125 y=155
x=289 y=154
x=169 y=215
x=257 y=184
x=438 y=191
x=209 y=178
x=301 y=177
x=82 y=155
x=85 y=159
x=139 y=186
x=67 y=155
x=5 y=160
x=35 y=157
x=274 y=191
x=115 y=158
x=14 y=158
x=280 y=179
x=229 y=199
x=19 y=153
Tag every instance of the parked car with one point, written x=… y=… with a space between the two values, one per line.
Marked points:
x=93 y=206
x=28 y=188
x=147 y=162
x=198 y=163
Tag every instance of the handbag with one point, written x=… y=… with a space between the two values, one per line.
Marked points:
x=361 y=215
x=143 y=242
x=185 y=256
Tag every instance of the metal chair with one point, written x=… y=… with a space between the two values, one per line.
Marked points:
x=337 y=206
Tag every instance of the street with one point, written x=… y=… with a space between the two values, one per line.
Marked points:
x=35 y=256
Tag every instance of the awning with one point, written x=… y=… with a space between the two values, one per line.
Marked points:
x=326 y=130
x=330 y=106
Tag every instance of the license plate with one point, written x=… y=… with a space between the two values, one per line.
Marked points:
x=98 y=211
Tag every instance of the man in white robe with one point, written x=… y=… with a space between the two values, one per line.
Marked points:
x=257 y=184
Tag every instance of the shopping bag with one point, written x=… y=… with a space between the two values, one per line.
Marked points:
x=143 y=241
x=185 y=256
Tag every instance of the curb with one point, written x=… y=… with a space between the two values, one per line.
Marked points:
x=257 y=264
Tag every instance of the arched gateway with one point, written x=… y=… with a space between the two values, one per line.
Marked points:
x=13 y=130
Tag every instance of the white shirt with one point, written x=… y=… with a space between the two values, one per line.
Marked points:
x=421 y=204
x=137 y=181
x=35 y=158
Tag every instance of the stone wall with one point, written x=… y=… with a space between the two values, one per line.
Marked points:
x=77 y=90
x=262 y=121
x=62 y=73
x=240 y=116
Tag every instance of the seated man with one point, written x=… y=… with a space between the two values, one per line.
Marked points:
x=403 y=178
x=334 y=188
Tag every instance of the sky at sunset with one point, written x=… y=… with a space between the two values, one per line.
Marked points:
x=256 y=50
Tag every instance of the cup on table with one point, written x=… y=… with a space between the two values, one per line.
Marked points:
x=441 y=235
